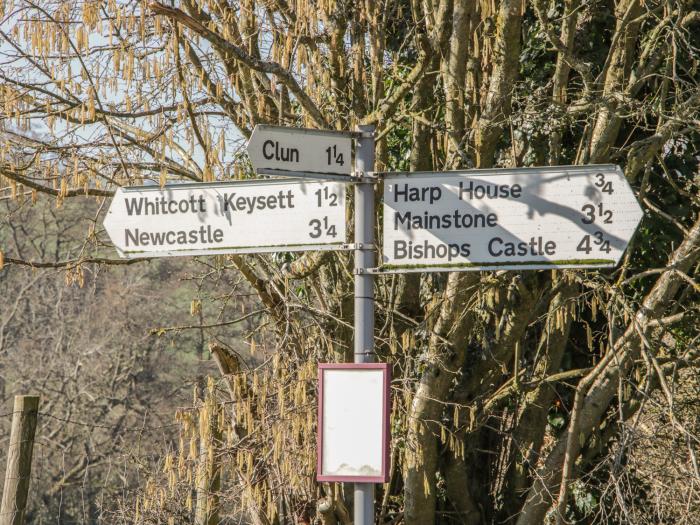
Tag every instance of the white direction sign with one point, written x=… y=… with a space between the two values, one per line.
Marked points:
x=299 y=149
x=227 y=217
x=527 y=218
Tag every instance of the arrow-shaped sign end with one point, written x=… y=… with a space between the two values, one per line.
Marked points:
x=110 y=224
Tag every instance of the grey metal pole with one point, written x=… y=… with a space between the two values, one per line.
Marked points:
x=364 y=290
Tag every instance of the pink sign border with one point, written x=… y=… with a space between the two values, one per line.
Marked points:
x=386 y=408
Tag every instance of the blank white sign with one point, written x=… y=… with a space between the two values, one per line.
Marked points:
x=352 y=422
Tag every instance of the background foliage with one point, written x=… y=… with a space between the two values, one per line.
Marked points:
x=523 y=397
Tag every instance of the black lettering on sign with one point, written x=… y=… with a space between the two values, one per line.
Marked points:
x=272 y=150
x=604 y=185
x=456 y=219
x=536 y=246
x=592 y=212
x=430 y=194
x=203 y=235
x=600 y=241
x=163 y=206
x=427 y=250
x=334 y=156
x=326 y=195
x=485 y=190
x=249 y=204
x=320 y=226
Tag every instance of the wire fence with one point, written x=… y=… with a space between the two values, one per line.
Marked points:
x=86 y=472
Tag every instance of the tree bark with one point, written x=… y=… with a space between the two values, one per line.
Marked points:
x=496 y=107
x=529 y=433
x=561 y=76
x=454 y=79
x=592 y=405
x=607 y=124
x=446 y=354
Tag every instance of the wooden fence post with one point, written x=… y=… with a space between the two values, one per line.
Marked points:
x=19 y=460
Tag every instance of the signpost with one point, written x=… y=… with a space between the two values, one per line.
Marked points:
x=364 y=291
x=507 y=219
x=227 y=217
x=497 y=219
x=300 y=150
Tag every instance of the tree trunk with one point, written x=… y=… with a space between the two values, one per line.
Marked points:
x=446 y=355
x=505 y=69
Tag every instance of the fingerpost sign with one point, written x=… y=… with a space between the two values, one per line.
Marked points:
x=227 y=217
x=300 y=150
x=517 y=219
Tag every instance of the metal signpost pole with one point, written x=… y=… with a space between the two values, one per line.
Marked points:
x=364 y=288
